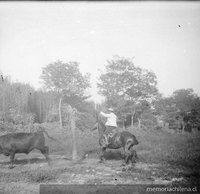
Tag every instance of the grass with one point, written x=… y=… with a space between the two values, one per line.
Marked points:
x=175 y=150
x=44 y=175
x=178 y=155
x=154 y=146
x=31 y=175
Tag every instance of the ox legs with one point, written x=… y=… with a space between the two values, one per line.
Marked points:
x=29 y=160
x=12 y=156
x=45 y=152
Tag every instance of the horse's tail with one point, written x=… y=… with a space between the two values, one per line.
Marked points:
x=50 y=136
x=42 y=130
x=135 y=141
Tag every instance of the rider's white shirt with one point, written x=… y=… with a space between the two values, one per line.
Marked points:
x=111 y=119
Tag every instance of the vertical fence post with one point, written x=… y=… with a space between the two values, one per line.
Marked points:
x=60 y=112
x=72 y=119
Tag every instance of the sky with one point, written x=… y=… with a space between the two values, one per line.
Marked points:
x=159 y=36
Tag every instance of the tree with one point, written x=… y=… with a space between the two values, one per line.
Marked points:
x=4 y=87
x=179 y=108
x=72 y=117
x=66 y=80
x=185 y=99
x=14 y=101
x=124 y=83
x=166 y=110
x=188 y=104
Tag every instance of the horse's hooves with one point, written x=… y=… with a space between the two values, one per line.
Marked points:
x=135 y=160
x=101 y=161
x=123 y=164
x=124 y=169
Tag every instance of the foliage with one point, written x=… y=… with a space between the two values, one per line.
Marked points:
x=182 y=106
x=15 y=106
x=126 y=86
x=53 y=114
x=130 y=90
x=85 y=121
x=85 y=116
x=19 y=101
x=67 y=81
x=186 y=100
x=148 y=120
x=65 y=78
x=123 y=78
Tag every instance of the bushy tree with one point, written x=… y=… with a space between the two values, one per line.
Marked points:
x=185 y=99
x=181 y=107
x=14 y=103
x=66 y=80
x=126 y=86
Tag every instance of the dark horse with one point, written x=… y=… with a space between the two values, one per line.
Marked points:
x=123 y=139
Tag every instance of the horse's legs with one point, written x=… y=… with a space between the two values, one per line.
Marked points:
x=134 y=156
x=123 y=152
x=128 y=152
x=12 y=156
x=103 y=149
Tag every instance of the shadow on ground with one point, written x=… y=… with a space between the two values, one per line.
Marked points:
x=109 y=154
x=26 y=161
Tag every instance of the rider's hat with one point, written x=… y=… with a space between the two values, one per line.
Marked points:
x=110 y=109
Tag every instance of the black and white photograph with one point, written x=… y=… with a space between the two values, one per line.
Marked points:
x=99 y=97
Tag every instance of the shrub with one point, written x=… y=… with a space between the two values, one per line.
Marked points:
x=148 y=119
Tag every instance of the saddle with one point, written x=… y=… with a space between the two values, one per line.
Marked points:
x=108 y=135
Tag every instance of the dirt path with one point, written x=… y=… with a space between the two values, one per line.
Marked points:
x=90 y=171
x=25 y=178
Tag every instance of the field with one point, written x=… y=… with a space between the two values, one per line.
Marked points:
x=164 y=158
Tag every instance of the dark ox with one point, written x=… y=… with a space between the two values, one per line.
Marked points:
x=10 y=144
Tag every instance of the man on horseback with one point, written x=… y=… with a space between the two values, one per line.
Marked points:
x=111 y=119
x=111 y=124
x=111 y=138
